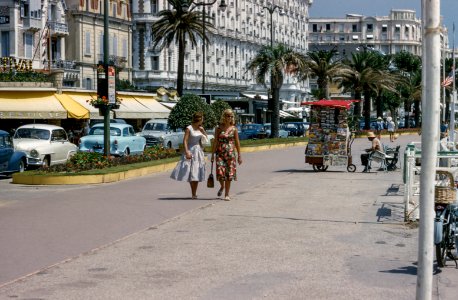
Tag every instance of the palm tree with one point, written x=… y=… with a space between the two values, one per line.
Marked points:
x=408 y=66
x=179 y=25
x=359 y=81
x=275 y=62
x=322 y=66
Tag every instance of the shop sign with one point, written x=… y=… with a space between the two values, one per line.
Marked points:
x=4 y=20
x=111 y=85
x=17 y=64
x=32 y=115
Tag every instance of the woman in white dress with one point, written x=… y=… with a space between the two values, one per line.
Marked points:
x=191 y=167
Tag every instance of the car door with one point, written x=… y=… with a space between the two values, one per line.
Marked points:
x=60 y=145
x=6 y=151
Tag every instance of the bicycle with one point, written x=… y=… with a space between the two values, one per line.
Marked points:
x=446 y=233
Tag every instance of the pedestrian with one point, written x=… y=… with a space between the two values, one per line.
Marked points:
x=191 y=167
x=379 y=127
x=390 y=128
x=375 y=146
x=444 y=127
x=226 y=146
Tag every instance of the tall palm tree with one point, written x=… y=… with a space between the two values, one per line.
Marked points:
x=408 y=66
x=323 y=66
x=359 y=81
x=274 y=63
x=179 y=25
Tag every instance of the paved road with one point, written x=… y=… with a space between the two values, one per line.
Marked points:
x=290 y=233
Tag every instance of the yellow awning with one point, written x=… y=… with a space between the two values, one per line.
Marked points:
x=130 y=108
x=82 y=98
x=74 y=109
x=30 y=105
x=161 y=91
x=157 y=110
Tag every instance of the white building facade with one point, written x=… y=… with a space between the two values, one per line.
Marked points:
x=239 y=32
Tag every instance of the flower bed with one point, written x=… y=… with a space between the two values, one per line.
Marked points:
x=83 y=161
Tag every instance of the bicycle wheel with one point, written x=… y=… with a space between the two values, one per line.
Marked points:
x=442 y=247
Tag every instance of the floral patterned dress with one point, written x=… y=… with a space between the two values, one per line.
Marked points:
x=226 y=156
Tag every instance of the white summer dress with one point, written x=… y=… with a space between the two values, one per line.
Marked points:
x=191 y=169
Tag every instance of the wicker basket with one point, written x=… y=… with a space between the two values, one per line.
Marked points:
x=445 y=194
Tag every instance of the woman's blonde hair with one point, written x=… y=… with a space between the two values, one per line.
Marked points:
x=196 y=117
x=227 y=112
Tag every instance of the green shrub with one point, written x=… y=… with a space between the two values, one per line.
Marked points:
x=181 y=114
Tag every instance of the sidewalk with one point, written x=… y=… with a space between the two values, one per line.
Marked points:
x=301 y=235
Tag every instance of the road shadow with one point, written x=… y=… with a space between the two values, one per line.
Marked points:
x=186 y=198
x=409 y=270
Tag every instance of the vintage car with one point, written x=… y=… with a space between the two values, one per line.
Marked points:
x=158 y=132
x=254 y=131
x=123 y=140
x=45 y=145
x=10 y=161
x=281 y=132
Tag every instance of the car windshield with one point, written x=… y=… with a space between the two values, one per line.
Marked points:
x=156 y=126
x=290 y=126
x=32 y=133
x=99 y=131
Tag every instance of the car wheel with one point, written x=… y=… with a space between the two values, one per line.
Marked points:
x=127 y=152
x=22 y=165
x=46 y=162
x=169 y=145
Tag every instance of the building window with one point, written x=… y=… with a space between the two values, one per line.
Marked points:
x=124 y=48
x=154 y=63
x=384 y=28
x=154 y=6
x=5 y=43
x=328 y=27
x=87 y=44
x=25 y=10
x=28 y=45
x=88 y=83
x=397 y=29
x=315 y=28
x=341 y=28
x=101 y=45
x=370 y=28
x=354 y=28
x=115 y=45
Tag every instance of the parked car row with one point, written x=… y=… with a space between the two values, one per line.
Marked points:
x=287 y=129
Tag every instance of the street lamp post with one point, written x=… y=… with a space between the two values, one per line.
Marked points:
x=222 y=6
x=274 y=106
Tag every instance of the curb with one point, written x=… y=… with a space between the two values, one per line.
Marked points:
x=19 y=178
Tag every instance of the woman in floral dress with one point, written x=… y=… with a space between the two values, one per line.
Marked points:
x=225 y=145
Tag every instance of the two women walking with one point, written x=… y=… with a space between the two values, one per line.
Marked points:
x=226 y=150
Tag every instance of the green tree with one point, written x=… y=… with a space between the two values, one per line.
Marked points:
x=181 y=114
x=274 y=63
x=218 y=107
x=408 y=66
x=323 y=66
x=180 y=25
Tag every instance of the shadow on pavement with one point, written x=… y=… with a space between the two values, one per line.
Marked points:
x=410 y=270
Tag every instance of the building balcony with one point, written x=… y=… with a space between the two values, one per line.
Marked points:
x=145 y=18
x=118 y=61
x=58 y=29
x=32 y=24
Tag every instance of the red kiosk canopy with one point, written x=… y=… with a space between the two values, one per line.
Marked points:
x=334 y=103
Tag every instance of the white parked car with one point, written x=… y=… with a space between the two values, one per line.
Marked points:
x=158 y=132
x=45 y=145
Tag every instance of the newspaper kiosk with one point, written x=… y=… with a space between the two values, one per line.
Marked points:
x=329 y=136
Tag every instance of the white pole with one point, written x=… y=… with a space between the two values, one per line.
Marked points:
x=443 y=87
x=429 y=138
x=452 y=112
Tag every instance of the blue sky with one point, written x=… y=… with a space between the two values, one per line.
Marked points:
x=338 y=8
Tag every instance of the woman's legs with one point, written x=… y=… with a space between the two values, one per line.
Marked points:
x=194 y=185
x=221 y=188
x=227 y=189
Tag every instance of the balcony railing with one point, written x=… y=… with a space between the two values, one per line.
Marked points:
x=118 y=61
x=58 y=28
x=32 y=24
